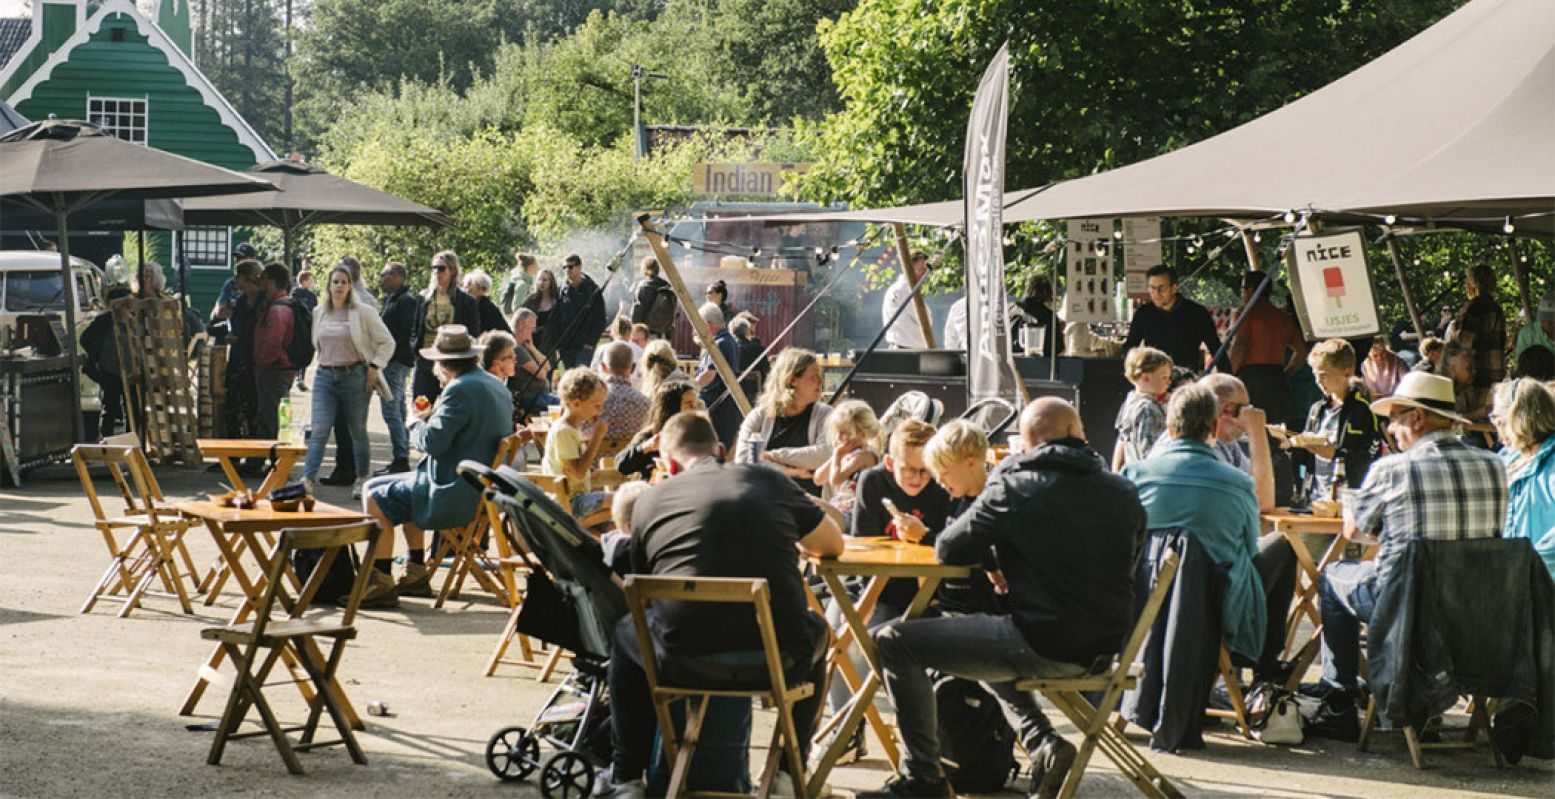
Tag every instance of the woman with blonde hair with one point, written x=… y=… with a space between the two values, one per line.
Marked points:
x=1524 y=416
x=352 y=345
x=787 y=427
x=660 y=366
x=854 y=435
x=443 y=303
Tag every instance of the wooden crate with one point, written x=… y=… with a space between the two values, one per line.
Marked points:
x=157 y=383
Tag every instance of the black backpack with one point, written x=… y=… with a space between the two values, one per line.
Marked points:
x=300 y=351
x=661 y=314
x=337 y=583
x=977 y=746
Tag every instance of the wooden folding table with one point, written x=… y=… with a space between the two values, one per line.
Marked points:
x=228 y=450
x=879 y=559
x=235 y=530
x=1304 y=605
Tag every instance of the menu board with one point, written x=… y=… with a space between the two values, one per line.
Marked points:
x=1089 y=271
x=1141 y=252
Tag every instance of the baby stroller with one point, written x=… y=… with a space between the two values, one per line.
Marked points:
x=571 y=602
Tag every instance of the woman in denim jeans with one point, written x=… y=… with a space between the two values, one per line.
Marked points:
x=353 y=345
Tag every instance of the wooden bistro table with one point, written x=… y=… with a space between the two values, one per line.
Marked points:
x=252 y=530
x=228 y=450
x=224 y=450
x=1304 y=605
x=879 y=559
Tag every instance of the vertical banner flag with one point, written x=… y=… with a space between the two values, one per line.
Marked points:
x=1088 y=287
x=990 y=369
x=1331 y=285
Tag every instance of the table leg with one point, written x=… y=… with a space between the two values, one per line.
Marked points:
x=228 y=548
x=284 y=462
x=844 y=666
x=1306 y=588
x=232 y=473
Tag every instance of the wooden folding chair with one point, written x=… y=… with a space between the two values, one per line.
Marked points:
x=1233 y=682
x=155 y=544
x=1479 y=724
x=560 y=490
x=465 y=545
x=1068 y=695
x=515 y=563
x=679 y=749
x=255 y=647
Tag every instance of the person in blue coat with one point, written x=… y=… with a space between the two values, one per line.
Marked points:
x=472 y=415
x=1186 y=485
x=1524 y=415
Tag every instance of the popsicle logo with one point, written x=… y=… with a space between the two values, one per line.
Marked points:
x=1333 y=281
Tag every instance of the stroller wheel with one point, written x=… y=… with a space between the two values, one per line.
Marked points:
x=567 y=775
x=512 y=753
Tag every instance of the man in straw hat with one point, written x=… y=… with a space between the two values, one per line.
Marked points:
x=470 y=419
x=1437 y=488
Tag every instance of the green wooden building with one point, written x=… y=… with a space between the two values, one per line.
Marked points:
x=107 y=63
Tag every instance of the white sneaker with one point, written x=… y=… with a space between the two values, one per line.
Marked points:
x=310 y=486
x=356 y=488
x=607 y=788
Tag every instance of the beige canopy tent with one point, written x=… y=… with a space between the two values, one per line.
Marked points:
x=1453 y=128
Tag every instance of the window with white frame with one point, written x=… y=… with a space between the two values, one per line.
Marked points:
x=207 y=247
x=124 y=117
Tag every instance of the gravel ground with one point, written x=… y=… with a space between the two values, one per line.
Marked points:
x=89 y=703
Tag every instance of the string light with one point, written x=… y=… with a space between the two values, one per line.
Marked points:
x=1257 y=237
x=1290 y=217
x=1117 y=234
x=1389 y=219
x=1508 y=228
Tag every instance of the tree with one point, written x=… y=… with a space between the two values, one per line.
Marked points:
x=1093 y=84
x=241 y=49
x=769 y=48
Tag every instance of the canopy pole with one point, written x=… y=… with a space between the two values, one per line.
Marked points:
x=1403 y=284
x=1253 y=261
x=140 y=265
x=917 y=297
x=1521 y=270
x=704 y=333
x=77 y=426
x=286 y=237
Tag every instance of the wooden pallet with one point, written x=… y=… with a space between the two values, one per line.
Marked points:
x=156 y=378
x=211 y=383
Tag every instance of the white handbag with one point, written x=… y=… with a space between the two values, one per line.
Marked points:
x=1282 y=722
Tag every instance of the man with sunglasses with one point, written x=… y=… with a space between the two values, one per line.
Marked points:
x=579 y=317
x=1435 y=488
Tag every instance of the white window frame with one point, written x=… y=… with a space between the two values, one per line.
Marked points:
x=144 y=102
x=225 y=248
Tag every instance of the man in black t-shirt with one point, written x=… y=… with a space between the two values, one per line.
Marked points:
x=921 y=506
x=1172 y=323
x=715 y=519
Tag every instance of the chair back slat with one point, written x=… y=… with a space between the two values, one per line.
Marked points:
x=1163 y=584
x=642 y=590
x=335 y=541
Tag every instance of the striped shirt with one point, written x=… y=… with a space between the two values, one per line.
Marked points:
x=1440 y=489
x=1141 y=421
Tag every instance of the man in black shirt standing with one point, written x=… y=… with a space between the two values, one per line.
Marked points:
x=1172 y=323
x=399 y=315
x=653 y=301
x=579 y=315
x=716 y=519
x=1067 y=533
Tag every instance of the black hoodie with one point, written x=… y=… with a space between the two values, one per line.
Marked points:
x=1067 y=533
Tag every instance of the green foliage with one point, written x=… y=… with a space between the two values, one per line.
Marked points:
x=770 y=51
x=241 y=49
x=1094 y=84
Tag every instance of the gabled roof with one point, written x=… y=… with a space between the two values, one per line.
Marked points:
x=175 y=58
x=13 y=34
x=9 y=119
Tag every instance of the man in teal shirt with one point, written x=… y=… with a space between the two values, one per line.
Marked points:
x=1540 y=330
x=1186 y=485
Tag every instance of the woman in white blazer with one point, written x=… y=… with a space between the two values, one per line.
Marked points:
x=352 y=346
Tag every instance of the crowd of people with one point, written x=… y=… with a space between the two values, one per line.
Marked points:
x=1053 y=533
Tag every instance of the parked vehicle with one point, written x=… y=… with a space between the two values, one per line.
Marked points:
x=31 y=284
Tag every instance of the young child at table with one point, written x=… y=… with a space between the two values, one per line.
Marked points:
x=568 y=452
x=1142 y=417
x=899 y=499
x=1350 y=431
x=958 y=457
x=854 y=433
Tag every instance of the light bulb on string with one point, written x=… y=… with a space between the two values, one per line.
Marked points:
x=1117 y=234
x=1508 y=228
x=1198 y=241
x=1389 y=219
x=1191 y=248
x=1290 y=217
x=1257 y=237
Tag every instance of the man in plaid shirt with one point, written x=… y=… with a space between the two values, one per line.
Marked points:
x=625 y=407
x=1438 y=488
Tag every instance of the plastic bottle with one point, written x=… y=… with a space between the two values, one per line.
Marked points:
x=284 y=417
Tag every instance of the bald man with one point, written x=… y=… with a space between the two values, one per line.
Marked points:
x=1067 y=532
